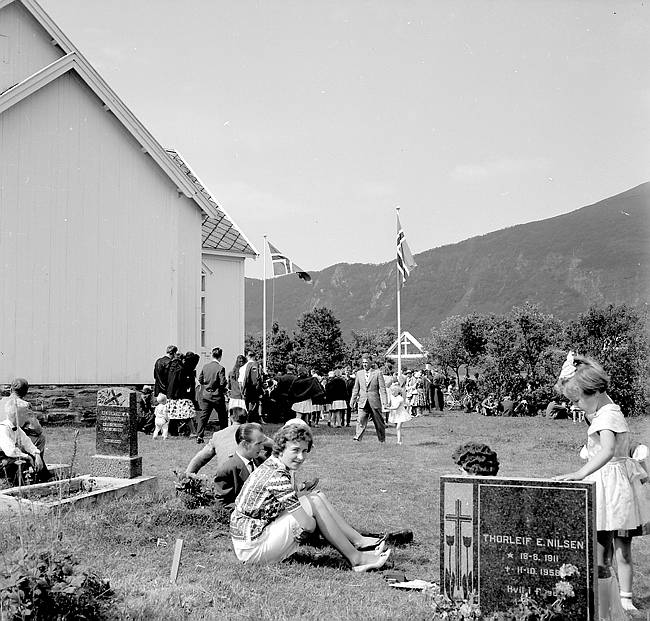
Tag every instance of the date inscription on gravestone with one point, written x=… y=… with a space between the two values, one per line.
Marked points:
x=501 y=538
x=116 y=422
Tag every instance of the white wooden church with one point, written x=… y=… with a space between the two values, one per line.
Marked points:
x=110 y=247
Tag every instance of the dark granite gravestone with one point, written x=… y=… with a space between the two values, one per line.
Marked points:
x=500 y=538
x=117 y=435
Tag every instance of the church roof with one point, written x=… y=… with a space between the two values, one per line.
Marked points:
x=218 y=233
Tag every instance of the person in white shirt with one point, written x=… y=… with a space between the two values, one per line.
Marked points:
x=31 y=426
x=17 y=452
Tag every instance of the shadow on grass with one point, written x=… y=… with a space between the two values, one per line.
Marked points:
x=327 y=558
x=428 y=443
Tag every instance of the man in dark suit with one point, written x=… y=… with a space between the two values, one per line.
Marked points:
x=252 y=387
x=370 y=396
x=281 y=392
x=232 y=474
x=161 y=371
x=349 y=385
x=213 y=394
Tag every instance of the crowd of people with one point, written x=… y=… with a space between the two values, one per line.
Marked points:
x=270 y=514
x=182 y=401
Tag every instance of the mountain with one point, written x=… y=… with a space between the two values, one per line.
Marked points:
x=594 y=255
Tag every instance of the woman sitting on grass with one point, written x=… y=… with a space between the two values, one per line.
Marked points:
x=270 y=521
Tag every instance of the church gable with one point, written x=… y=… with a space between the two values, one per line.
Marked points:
x=25 y=46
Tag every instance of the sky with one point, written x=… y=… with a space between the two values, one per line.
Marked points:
x=309 y=121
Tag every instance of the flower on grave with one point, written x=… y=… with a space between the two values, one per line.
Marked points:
x=568 y=571
x=563 y=590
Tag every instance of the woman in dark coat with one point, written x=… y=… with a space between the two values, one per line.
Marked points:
x=179 y=407
x=190 y=363
x=337 y=396
x=303 y=392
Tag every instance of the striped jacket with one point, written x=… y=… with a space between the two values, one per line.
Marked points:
x=268 y=492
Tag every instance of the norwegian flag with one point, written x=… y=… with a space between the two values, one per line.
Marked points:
x=282 y=264
x=405 y=261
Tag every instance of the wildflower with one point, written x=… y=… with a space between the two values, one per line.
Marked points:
x=563 y=590
x=568 y=571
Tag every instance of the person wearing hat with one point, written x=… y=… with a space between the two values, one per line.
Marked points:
x=17 y=452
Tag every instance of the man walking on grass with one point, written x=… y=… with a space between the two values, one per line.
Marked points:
x=370 y=397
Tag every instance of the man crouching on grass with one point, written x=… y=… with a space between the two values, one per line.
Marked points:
x=17 y=452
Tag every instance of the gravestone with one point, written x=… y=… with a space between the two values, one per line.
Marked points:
x=117 y=435
x=500 y=538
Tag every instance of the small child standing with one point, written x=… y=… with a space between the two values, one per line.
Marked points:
x=622 y=490
x=398 y=413
x=161 y=417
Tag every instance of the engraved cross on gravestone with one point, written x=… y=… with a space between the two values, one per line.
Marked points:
x=117 y=435
x=501 y=538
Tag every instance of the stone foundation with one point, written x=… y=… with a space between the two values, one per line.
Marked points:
x=67 y=404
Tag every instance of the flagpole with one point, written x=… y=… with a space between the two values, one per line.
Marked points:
x=399 y=315
x=264 y=312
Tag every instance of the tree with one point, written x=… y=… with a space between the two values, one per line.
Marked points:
x=372 y=342
x=447 y=345
x=473 y=330
x=616 y=336
x=279 y=348
x=253 y=342
x=536 y=334
x=500 y=362
x=318 y=342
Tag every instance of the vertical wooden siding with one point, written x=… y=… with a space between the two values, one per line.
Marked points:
x=100 y=257
x=25 y=47
x=225 y=306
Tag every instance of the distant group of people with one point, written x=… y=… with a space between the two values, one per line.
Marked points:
x=182 y=403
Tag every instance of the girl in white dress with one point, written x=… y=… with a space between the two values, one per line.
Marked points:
x=622 y=488
x=398 y=413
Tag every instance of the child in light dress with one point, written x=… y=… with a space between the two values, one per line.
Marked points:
x=161 y=417
x=622 y=488
x=398 y=413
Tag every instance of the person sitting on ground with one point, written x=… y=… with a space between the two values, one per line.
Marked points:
x=17 y=452
x=506 y=406
x=30 y=425
x=232 y=473
x=489 y=405
x=476 y=459
x=270 y=521
x=222 y=444
x=556 y=409
x=522 y=408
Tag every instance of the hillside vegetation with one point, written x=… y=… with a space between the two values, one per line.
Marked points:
x=599 y=254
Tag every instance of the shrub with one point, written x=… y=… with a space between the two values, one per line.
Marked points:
x=45 y=584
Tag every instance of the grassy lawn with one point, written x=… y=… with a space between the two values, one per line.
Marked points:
x=374 y=487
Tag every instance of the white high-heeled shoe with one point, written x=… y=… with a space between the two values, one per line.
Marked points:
x=626 y=601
